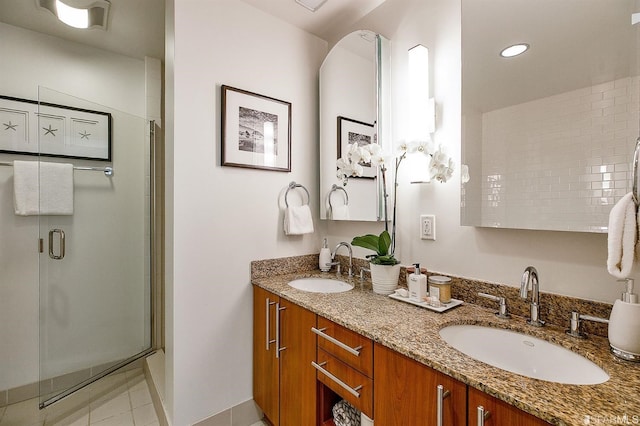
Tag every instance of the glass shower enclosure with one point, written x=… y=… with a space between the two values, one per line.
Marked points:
x=95 y=310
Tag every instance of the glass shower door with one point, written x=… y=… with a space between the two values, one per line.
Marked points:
x=94 y=267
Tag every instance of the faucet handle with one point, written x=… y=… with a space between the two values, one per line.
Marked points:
x=503 y=311
x=575 y=326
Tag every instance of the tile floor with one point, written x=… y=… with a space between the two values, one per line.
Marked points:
x=121 y=399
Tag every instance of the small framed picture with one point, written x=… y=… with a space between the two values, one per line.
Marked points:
x=353 y=131
x=41 y=128
x=256 y=131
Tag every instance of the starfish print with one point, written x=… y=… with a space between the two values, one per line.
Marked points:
x=84 y=135
x=49 y=131
x=10 y=126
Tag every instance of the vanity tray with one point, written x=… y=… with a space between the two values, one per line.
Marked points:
x=445 y=306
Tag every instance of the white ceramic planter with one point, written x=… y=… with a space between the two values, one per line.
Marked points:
x=384 y=278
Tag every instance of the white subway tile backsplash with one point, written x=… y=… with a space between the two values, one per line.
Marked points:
x=558 y=168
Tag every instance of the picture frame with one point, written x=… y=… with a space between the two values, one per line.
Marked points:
x=256 y=131
x=354 y=131
x=41 y=128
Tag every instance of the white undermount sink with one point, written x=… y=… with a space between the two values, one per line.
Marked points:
x=320 y=285
x=523 y=354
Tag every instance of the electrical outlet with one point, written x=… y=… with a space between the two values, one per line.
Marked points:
x=428 y=227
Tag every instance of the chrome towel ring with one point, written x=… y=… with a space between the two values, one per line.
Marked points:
x=294 y=185
x=335 y=188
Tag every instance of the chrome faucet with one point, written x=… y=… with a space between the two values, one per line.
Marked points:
x=337 y=264
x=530 y=275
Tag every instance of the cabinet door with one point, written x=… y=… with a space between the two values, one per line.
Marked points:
x=406 y=392
x=266 y=372
x=500 y=413
x=297 y=375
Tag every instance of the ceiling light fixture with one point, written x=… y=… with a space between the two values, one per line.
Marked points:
x=312 y=5
x=514 y=50
x=78 y=13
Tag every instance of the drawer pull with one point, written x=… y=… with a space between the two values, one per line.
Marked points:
x=352 y=391
x=482 y=415
x=320 y=332
x=442 y=394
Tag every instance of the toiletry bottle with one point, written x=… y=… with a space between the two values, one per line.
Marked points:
x=417 y=285
x=624 y=325
x=325 y=257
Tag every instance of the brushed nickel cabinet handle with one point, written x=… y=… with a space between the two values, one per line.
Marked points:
x=320 y=332
x=267 y=308
x=441 y=395
x=277 y=341
x=482 y=415
x=352 y=391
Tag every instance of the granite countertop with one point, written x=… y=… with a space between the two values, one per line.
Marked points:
x=413 y=331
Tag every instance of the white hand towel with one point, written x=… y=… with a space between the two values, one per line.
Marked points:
x=623 y=225
x=340 y=212
x=42 y=188
x=298 y=220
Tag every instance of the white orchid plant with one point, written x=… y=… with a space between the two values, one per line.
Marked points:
x=441 y=168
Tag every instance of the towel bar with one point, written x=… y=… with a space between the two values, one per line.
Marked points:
x=293 y=185
x=108 y=171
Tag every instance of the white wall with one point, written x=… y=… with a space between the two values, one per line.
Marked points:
x=103 y=212
x=569 y=263
x=221 y=218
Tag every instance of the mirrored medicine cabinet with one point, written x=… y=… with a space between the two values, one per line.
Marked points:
x=548 y=135
x=354 y=98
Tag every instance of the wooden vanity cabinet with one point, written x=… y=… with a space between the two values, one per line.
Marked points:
x=407 y=394
x=291 y=392
x=499 y=412
x=345 y=368
x=284 y=383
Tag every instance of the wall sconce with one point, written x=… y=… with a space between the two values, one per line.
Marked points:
x=78 y=13
x=421 y=112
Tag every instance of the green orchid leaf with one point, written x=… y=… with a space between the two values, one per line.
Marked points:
x=368 y=241
x=384 y=242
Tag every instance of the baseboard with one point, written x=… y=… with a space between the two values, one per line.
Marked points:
x=154 y=372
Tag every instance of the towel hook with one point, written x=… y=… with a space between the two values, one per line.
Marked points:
x=335 y=188
x=293 y=185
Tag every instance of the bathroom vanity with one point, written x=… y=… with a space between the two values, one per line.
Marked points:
x=388 y=360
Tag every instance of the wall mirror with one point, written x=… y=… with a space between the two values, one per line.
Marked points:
x=354 y=81
x=548 y=135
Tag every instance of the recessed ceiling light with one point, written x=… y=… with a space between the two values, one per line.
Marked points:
x=312 y=5
x=514 y=50
x=78 y=13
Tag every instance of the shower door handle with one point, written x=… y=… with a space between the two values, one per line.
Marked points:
x=60 y=255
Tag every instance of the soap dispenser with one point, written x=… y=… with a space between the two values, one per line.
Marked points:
x=624 y=325
x=417 y=285
x=324 y=261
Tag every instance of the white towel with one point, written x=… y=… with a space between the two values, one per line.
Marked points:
x=340 y=212
x=623 y=225
x=298 y=220
x=42 y=188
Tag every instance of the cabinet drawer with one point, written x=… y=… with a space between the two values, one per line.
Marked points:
x=353 y=386
x=355 y=350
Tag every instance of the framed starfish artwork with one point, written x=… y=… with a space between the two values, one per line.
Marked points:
x=40 y=128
